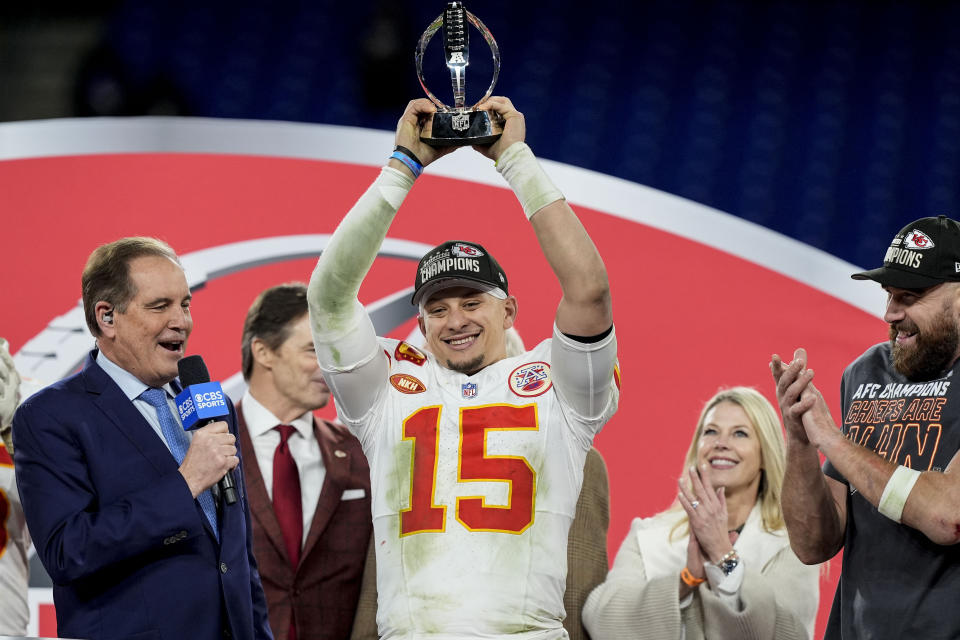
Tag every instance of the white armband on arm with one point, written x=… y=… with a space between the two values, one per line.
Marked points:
x=526 y=177
x=895 y=494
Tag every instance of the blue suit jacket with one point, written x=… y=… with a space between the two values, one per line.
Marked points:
x=129 y=550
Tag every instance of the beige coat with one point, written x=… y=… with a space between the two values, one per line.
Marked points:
x=640 y=597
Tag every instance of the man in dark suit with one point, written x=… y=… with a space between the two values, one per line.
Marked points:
x=120 y=501
x=307 y=479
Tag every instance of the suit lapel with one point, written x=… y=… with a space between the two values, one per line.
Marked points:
x=111 y=400
x=261 y=507
x=336 y=463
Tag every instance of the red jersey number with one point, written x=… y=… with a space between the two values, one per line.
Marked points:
x=474 y=465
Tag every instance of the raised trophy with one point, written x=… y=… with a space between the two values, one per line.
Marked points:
x=458 y=125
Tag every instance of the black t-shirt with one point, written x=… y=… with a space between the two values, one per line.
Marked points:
x=896 y=582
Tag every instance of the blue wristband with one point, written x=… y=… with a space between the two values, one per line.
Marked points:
x=412 y=164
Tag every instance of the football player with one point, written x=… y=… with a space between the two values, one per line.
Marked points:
x=476 y=458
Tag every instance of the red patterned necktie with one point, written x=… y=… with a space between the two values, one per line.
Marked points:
x=286 y=502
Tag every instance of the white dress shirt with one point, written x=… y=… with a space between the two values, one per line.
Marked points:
x=132 y=387
x=303 y=447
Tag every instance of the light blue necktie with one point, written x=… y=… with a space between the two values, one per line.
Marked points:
x=178 y=443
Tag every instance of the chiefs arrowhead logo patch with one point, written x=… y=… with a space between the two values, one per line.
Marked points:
x=410 y=353
x=406 y=383
x=917 y=239
x=463 y=250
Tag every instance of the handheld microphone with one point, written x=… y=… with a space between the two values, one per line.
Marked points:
x=200 y=403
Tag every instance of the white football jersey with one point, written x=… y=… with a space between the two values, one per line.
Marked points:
x=475 y=481
x=14 y=542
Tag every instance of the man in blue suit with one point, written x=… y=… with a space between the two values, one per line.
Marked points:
x=122 y=504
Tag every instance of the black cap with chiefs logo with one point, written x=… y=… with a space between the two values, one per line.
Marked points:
x=458 y=264
x=924 y=253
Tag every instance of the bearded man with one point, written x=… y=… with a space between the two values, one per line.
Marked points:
x=889 y=491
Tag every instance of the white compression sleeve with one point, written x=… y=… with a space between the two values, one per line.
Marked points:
x=342 y=334
x=583 y=371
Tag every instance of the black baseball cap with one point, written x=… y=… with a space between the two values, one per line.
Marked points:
x=924 y=253
x=458 y=264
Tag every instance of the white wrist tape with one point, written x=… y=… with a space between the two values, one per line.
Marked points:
x=526 y=177
x=350 y=253
x=896 y=492
x=394 y=185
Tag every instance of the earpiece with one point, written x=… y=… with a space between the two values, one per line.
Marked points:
x=108 y=317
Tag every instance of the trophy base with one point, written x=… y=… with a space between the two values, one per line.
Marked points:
x=461 y=128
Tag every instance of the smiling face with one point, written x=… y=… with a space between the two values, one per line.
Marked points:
x=924 y=333
x=730 y=447
x=295 y=381
x=464 y=328
x=149 y=336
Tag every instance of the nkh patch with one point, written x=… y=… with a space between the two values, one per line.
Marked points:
x=405 y=383
x=531 y=379
x=468 y=390
x=616 y=374
x=408 y=352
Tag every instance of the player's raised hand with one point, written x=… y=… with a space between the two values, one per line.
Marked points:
x=706 y=508
x=514 y=126
x=408 y=133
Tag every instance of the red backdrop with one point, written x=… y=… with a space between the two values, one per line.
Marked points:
x=689 y=318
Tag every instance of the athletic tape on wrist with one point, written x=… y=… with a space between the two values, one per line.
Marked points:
x=526 y=177
x=394 y=185
x=895 y=494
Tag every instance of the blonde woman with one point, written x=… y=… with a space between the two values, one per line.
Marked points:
x=718 y=563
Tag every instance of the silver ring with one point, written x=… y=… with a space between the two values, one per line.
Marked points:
x=695 y=504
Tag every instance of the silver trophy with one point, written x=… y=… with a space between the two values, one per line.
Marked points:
x=458 y=125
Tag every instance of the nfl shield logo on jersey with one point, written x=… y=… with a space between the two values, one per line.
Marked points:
x=469 y=390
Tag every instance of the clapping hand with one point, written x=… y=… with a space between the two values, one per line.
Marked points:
x=806 y=417
x=706 y=509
